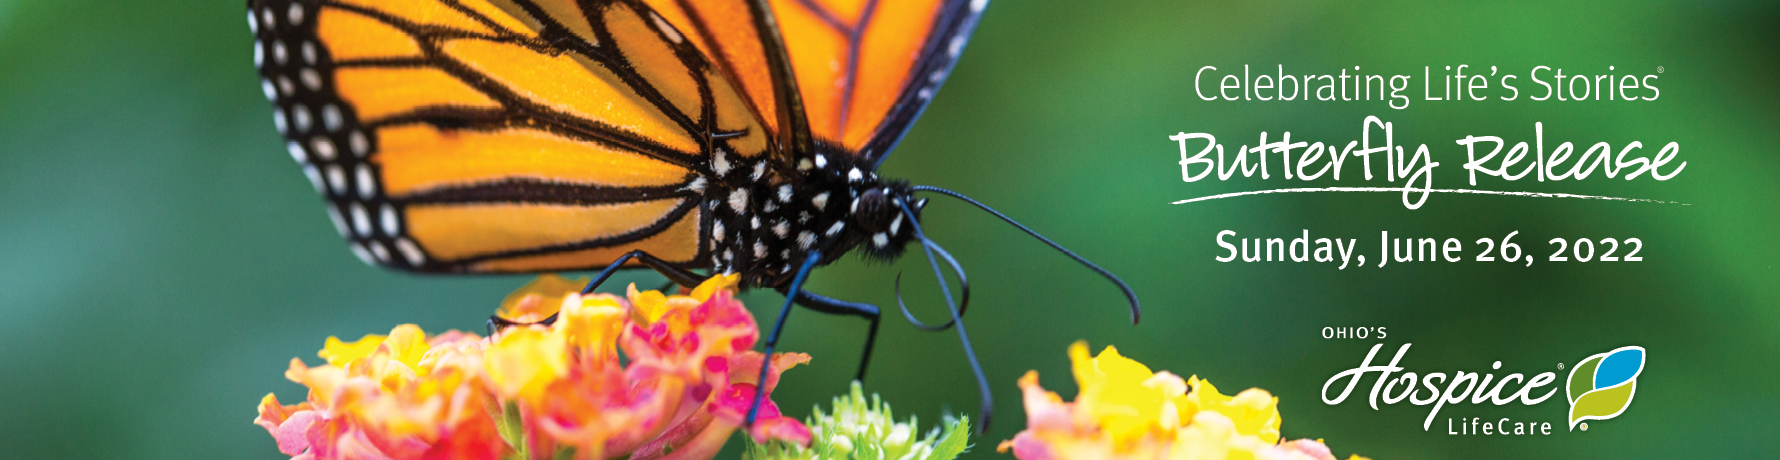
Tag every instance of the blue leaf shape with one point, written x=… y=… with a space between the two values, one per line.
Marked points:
x=1622 y=365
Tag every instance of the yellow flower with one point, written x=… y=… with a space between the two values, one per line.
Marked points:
x=1123 y=396
x=1253 y=412
x=339 y=353
x=1124 y=410
x=539 y=299
x=525 y=361
x=591 y=323
x=724 y=282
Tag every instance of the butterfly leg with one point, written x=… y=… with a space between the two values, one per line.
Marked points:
x=835 y=306
x=772 y=340
x=675 y=275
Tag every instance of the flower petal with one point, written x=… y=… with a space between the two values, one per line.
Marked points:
x=339 y=353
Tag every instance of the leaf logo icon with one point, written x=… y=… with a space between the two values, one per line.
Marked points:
x=1601 y=387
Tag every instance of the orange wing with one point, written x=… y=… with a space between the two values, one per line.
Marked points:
x=740 y=37
x=501 y=135
x=866 y=68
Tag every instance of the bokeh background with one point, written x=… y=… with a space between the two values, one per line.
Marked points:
x=161 y=259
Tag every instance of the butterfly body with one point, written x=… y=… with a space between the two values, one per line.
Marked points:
x=767 y=220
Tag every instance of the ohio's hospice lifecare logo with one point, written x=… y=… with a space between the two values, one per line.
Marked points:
x=1599 y=387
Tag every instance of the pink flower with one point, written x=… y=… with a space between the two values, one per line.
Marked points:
x=646 y=376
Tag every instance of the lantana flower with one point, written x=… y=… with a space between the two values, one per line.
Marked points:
x=1123 y=410
x=646 y=376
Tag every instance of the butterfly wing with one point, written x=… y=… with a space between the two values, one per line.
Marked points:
x=501 y=135
x=742 y=40
x=867 y=68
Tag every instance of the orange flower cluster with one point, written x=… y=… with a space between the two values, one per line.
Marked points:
x=648 y=376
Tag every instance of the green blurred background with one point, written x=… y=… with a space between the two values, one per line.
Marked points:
x=161 y=259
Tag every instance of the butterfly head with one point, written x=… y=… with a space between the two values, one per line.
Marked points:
x=882 y=226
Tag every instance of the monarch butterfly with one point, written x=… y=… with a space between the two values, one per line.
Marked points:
x=734 y=136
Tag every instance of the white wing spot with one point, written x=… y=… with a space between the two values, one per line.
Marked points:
x=367 y=182
x=267 y=19
x=805 y=239
x=956 y=46
x=300 y=114
x=978 y=5
x=323 y=148
x=336 y=179
x=314 y=176
x=259 y=54
x=360 y=144
x=279 y=54
x=754 y=223
x=380 y=252
x=880 y=240
x=697 y=185
x=759 y=250
x=836 y=229
x=759 y=170
x=392 y=223
x=331 y=117
x=411 y=252
x=271 y=91
x=785 y=193
x=339 y=220
x=804 y=165
x=309 y=54
x=855 y=175
x=361 y=219
x=821 y=201
x=253 y=23
x=896 y=224
x=295 y=14
x=296 y=152
x=717 y=230
x=279 y=121
x=782 y=229
x=821 y=161
x=672 y=35
x=285 y=87
x=363 y=255
x=311 y=78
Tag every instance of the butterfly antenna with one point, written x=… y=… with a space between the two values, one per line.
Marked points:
x=927 y=246
x=1136 y=309
x=964 y=289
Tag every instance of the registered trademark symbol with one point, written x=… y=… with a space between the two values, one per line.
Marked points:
x=1560 y=366
x=1585 y=427
x=1659 y=69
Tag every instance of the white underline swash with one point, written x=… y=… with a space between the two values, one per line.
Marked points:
x=1401 y=189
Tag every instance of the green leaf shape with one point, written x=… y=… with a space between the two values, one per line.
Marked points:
x=863 y=429
x=1582 y=378
x=1602 y=404
x=511 y=426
